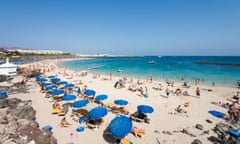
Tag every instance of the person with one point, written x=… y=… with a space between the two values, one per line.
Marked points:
x=233 y=111
x=56 y=105
x=64 y=122
x=198 y=92
x=185 y=93
x=167 y=91
x=146 y=92
x=141 y=91
x=179 y=109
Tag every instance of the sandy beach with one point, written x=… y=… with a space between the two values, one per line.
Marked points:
x=164 y=118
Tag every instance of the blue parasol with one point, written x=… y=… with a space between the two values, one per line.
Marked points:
x=44 y=84
x=69 y=97
x=216 y=114
x=52 y=76
x=50 y=87
x=80 y=103
x=41 y=79
x=62 y=82
x=69 y=85
x=78 y=90
x=97 y=113
x=55 y=80
x=121 y=102
x=145 y=109
x=57 y=92
x=89 y=92
x=101 y=97
x=3 y=95
x=120 y=126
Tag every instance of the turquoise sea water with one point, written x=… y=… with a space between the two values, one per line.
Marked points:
x=170 y=67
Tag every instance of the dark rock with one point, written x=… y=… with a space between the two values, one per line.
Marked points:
x=4 y=120
x=196 y=141
x=25 y=112
x=18 y=125
x=3 y=103
x=199 y=126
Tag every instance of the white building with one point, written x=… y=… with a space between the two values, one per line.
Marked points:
x=8 y=69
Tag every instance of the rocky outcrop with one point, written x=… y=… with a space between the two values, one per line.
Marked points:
x=18 y=125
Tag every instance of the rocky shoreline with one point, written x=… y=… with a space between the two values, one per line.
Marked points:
x=220 y=64
x=18 y=124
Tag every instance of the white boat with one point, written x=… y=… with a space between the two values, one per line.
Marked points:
x=152 y=62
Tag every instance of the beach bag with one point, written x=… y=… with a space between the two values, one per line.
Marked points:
x=118 y=86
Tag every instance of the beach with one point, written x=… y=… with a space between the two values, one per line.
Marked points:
x=165 y=123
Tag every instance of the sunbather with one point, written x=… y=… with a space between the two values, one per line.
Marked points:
x=64 y=122
x=138 y=132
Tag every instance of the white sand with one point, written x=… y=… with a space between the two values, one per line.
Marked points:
x=160 y=119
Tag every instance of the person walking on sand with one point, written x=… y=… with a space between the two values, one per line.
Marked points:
x=167 y=91
x=198 y=92
x=146 y=92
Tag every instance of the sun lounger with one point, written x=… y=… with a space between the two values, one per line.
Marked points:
x=138 y=132
x=55 y=110
x=126 y=141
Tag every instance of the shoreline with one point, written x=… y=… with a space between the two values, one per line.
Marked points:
x=161 y=119
x=161 y=79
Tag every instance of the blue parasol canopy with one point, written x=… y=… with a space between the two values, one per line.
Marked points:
x=120 y=126
x=44 y=84
x=55 y=80
x=101 y=97
x=57 y=92
x=52 y=76
x=3 y=95
x=216 y=113
x=69 y=97
x=50 y=87
x=90 y=92
x=69 y=85
x=121 y=102
x=97 y=113
x=78 y=90
x=80 y=103
x=41 y=79
x=62 y=82
x=145 y=109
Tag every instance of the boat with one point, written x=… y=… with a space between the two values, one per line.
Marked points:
x=152 y=62
x=94 y=67
x=119 y=70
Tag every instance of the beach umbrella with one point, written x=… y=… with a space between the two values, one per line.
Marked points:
x=97 y=113
x=216 y=113
x=145 y=109
x=120 y=126
x=44 y=84
x=121 y=102
x=62 y=82
x=69 y=97
x=80 y=103
x=3 y=95
x=50 y=87
x=41 y=79
x=78 y=90
x=69 y=85
x=57 y=92
x=52 y=76
x=55 y=80
x=101 y=97
x=90 y=92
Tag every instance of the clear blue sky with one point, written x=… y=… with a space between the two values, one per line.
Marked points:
x=128 y=27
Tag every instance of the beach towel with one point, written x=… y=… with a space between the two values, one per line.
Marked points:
x=216 y=114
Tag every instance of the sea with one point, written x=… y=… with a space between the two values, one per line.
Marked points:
x=213 y=70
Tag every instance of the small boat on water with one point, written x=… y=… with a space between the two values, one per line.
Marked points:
x=119 y=70
x=94 y=67
x=152 y=62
